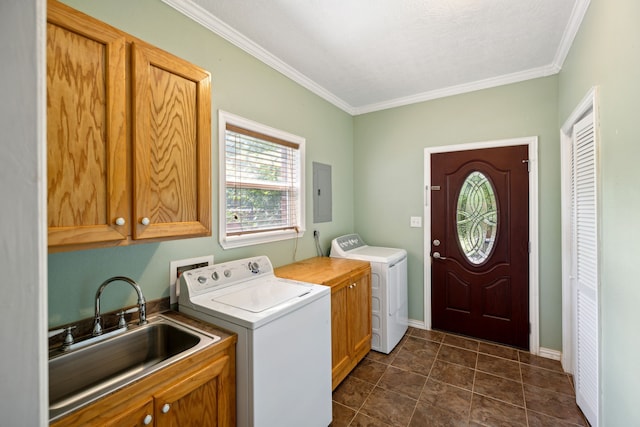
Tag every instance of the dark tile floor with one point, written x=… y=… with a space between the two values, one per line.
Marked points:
x=437 y=379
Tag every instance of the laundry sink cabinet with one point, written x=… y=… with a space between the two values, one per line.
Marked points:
x=198 y=390
x=350 y=282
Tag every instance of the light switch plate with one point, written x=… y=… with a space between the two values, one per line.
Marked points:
x=176 y=268
x=416 y=221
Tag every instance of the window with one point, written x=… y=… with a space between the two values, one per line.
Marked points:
x=261 y=183
x=477 y=217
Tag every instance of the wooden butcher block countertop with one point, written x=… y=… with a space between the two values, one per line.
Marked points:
x=322 y=270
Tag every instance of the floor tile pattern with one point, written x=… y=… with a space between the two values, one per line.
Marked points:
x=439 y=379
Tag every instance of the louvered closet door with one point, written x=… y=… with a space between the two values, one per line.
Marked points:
x=585 y=266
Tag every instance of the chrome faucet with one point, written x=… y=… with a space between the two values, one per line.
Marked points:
x=97 y=326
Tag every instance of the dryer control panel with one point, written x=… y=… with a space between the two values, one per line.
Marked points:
x=347 y=243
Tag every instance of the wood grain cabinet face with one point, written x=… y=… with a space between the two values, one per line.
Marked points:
x=129 y=143
x=194 y=401
x=172 y=145
x=87 y=172
x=350 y=323
x=136 y=416
x=360 y=314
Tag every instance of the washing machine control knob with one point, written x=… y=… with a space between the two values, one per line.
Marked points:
x=202 y=279
x=215 y=275
x=254 y=267
x=227 y=273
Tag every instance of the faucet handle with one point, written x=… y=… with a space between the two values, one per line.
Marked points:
x=68 y=338
x=122 y=323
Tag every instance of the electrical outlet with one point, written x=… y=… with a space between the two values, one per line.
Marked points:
x=416 y=221
x=176 y=268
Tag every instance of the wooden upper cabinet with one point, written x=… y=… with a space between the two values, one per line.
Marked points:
x=172 y=145
x=87 y=174
x=128 y=137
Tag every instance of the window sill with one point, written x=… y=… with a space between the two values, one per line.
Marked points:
x=230 y=242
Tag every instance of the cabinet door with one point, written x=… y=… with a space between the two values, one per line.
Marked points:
x=133 y=417
x=87 y=182
x=340 y=347
x=172 y=145
x=198 y=400
x=360 y=314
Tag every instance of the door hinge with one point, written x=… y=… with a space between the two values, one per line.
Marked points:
x=529 y=247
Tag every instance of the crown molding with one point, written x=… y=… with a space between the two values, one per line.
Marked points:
x=209 y=21
x=570 y=32
x=520 y=76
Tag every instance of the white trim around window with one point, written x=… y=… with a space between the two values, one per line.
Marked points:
x=230 y=240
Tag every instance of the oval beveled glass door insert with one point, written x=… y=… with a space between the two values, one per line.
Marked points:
x=477 y=217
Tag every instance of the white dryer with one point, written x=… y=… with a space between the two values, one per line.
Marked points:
x=389 y=306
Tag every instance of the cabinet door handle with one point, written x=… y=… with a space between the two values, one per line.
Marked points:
x=145 y=221
x=147 y=420
x=165 y=408
x=120 y=221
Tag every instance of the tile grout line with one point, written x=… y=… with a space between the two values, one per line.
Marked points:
x=473 y=385
x=524 y=395
x=376 y=384
x=435 y=357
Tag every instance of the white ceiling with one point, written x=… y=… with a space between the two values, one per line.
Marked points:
x=368 y=55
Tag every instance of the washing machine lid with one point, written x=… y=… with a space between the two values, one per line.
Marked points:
x=376 y=254
x=264 y=295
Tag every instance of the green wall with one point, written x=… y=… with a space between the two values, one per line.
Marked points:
x=606 y=53
x=389 y=175
x=241 y=85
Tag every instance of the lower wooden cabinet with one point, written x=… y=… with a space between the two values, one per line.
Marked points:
x=141 y=415
x=350 y=282
x=195 y=400
x=198 y=391
x=350 y=323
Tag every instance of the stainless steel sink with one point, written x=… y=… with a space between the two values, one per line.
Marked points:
x=79 y=377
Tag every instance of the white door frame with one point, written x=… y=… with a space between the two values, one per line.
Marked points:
x=532 y=143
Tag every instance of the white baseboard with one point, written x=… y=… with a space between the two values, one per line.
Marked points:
x=550 y=354
x=417 y=324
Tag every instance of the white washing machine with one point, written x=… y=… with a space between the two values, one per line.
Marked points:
x=389 y=306
x=283 y=355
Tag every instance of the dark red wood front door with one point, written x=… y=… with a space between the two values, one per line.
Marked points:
x=480 y=243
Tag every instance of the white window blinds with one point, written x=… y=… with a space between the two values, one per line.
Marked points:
x=262 y=182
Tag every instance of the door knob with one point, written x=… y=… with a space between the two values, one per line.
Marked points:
x=436 y=242
x=437 y=255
